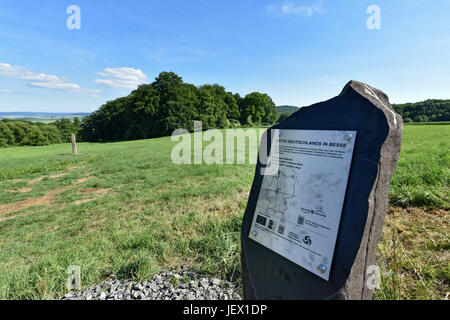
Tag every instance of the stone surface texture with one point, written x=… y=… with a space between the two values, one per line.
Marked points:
x=366 y=110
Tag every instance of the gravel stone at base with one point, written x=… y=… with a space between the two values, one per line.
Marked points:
x=173 y=285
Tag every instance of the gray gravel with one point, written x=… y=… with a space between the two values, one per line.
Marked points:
x=174 y=285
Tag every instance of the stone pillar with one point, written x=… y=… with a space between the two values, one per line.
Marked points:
x=367 y=111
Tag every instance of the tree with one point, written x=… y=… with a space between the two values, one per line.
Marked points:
x=142 y=113
x=283 y=116
x=258 y=108
x=6 y=135
x=233 y=112
x=35 y=137
x=18 y=130
x=26 y=133
x=213 y=109
x=67 y=127
x=177 y=102
x=51 y=134
x=434 y=110
x=421 y=118
x=159 y=108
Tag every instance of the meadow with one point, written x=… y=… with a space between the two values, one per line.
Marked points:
x=125 y=209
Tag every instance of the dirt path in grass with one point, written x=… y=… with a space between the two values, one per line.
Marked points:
x=32 y=202
x=46 y=200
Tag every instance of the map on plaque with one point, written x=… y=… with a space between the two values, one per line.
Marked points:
x=299 y=209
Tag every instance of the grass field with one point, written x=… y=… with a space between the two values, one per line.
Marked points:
x=125 y=209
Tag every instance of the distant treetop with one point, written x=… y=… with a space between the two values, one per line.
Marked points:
x=424 y=111
x=287 y=109
x=167 y=104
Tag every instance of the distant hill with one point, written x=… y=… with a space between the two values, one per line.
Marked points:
x=432 y=110
x=43 y=114
x=287 y=109
x=45 y=117
x=424 y=111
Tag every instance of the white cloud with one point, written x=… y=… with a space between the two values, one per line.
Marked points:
x=63 y=86
x=4 y=91
x=295 y=8
x=124 y=77
x=42 y=80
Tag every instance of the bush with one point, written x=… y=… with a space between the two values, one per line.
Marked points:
x=66 y=127
x=421 y=118
x=26 y=133
x=51 y=134
x=6 y=135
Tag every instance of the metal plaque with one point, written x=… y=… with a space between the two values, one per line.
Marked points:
x=299 y=208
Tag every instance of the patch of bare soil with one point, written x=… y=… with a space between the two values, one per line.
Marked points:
x=74 y=168
x=35 y=180
x=23 y=190
x=81 y=201
x=82 y=180
x=48 y=198
x=53 y=176
x=58 y=175
x=95 y=192
x=32 y=202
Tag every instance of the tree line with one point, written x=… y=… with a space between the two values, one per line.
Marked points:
x=424 y=111
x=167 y=104
x=27 y=133
x=152 y=110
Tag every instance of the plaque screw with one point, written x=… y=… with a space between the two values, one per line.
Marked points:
x=322 y=268
x=348 y=137
x=255 y=232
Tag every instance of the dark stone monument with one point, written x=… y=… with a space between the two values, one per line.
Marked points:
x=326 y=252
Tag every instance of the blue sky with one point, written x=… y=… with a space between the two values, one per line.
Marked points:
x=297 y=51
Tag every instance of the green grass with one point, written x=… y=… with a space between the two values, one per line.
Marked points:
x=153 y=215
x=423 y=171
x=435 y=123
x=414 y=256
x=125 y=209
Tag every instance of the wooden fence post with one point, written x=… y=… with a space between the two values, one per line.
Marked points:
x=74 y=144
